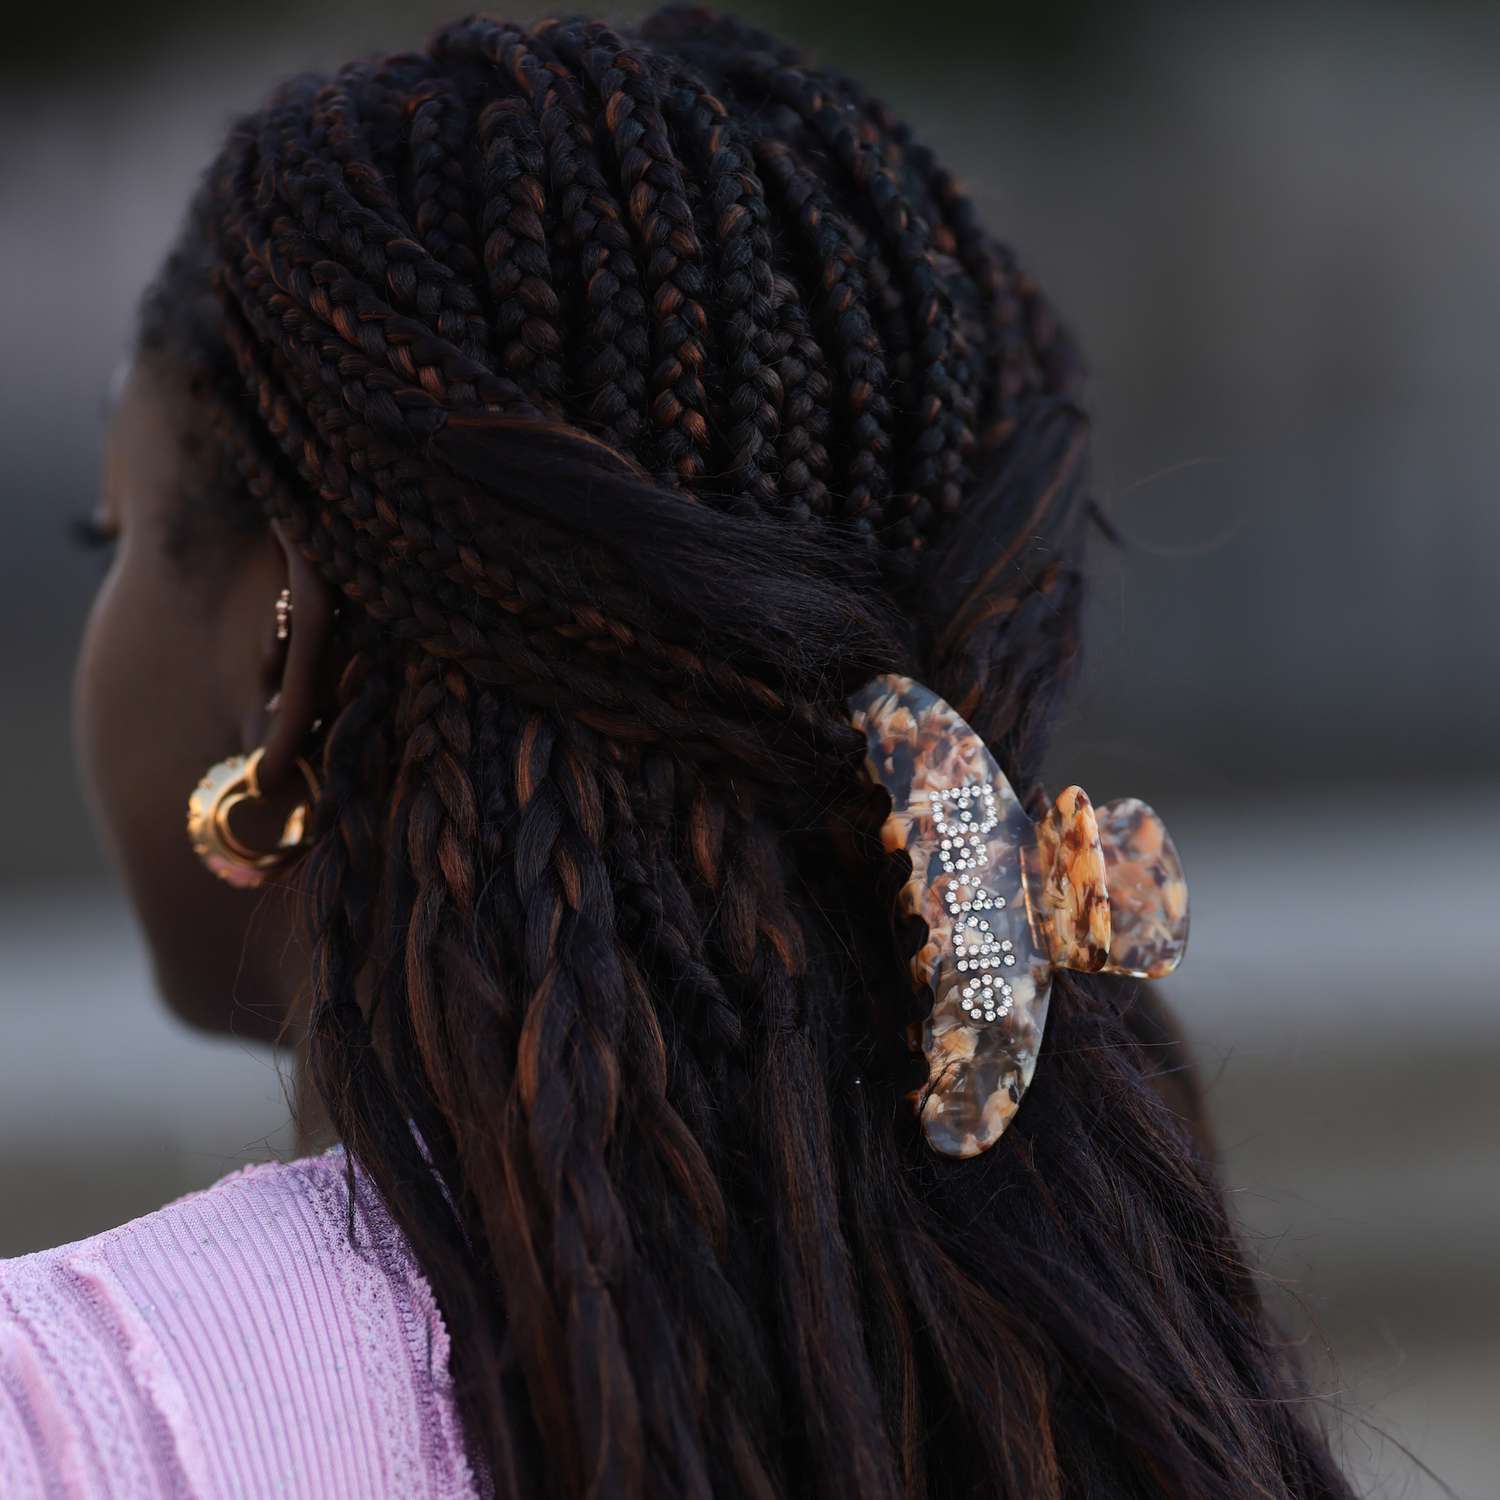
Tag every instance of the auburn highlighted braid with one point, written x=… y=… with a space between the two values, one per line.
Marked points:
x=640 y=393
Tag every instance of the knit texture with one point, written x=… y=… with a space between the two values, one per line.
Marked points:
x=236 y=1343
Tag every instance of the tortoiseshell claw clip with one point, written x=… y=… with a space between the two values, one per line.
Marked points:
x=1006 y=902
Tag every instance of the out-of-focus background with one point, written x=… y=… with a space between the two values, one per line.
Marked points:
x=1277 y=229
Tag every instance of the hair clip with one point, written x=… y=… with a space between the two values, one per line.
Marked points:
x=1006 y=902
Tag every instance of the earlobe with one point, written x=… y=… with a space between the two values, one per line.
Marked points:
x=302 y=627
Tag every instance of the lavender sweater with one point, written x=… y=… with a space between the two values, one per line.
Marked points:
x=232 y=1344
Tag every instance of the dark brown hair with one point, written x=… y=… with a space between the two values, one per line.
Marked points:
x=642 y=394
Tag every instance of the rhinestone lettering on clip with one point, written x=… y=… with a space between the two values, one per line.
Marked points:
x=962 y=817
x=985 y=970
x=1005 y=903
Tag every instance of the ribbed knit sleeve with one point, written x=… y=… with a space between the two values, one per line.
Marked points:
x=235 y=1343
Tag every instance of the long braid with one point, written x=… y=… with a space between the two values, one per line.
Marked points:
x=735 y=201
x=656 y=198
x=763 y=945
x=639 y=395
x=1029 y=349
x=611 y=375
x=441 y=190
x=941 y=443
x=802 y=369
x=515 y=249
x=842 y=314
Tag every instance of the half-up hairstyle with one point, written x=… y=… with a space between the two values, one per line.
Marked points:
x=641 y=394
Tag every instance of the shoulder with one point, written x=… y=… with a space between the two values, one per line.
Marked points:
x=239 y=1341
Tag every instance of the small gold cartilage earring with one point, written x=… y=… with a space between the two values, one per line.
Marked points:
x=283 y=614
x=224 y=786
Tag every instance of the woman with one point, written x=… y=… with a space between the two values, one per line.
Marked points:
x=531 y=445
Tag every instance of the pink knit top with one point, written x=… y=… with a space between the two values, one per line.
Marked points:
x=234 y=1343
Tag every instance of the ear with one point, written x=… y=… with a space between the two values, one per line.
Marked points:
x=299 y=670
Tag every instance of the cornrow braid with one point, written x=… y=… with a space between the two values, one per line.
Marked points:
x=639 y=394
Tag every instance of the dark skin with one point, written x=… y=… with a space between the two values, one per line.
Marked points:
x=180 y=667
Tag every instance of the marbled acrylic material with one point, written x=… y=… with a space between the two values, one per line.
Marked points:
x=988 y=974
x=1004 y=902
x=1147 y=892
x=1072 y=895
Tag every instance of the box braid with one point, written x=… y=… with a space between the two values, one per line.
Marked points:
x=641 y=394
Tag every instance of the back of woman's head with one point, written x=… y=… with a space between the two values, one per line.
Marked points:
x=640 y=395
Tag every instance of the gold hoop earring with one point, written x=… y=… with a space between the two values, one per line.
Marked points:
x=225 y=785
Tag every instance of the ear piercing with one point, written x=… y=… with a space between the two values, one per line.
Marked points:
x=283 y=632
x=224 y=787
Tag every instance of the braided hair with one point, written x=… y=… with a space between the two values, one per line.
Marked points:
x=641 y=394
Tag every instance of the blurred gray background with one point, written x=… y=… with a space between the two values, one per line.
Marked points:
x=1275 y=228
